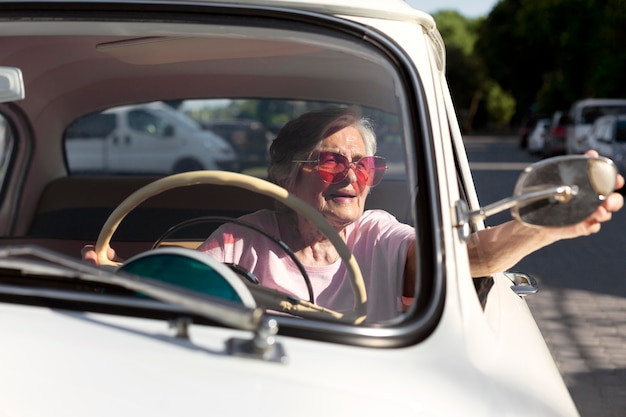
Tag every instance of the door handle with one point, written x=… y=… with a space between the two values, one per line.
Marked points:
x=523 y=284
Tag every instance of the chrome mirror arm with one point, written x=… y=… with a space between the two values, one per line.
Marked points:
x=561 y=194
x=585 y=183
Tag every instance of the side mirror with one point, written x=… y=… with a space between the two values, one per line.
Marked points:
x=555 y=192
x=580 y=186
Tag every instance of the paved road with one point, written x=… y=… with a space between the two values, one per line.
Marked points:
x=581 y=305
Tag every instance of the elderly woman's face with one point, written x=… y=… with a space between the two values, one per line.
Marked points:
x=343 y=202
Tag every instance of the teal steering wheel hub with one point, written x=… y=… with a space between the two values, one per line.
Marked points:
x=191 y=270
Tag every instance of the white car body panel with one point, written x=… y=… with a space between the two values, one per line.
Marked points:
x=101 y=364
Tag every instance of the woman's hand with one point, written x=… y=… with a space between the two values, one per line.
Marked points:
x=88 y=253
x=591 y=225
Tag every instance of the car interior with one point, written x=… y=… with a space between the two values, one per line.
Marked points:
x=113 y=70
x=87 y=66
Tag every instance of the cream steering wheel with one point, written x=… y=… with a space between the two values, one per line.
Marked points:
x=253 y=184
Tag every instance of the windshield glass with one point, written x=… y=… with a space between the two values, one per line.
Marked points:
x=275 y=108
x=246 y=127
x=591 y=113
x=254 y=127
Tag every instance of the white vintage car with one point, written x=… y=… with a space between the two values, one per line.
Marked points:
x=81 y=340
x=144 y=139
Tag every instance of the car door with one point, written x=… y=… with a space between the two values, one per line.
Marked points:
x=87 y=142
x=503 y=327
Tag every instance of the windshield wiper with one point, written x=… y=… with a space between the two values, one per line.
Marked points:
x=222 y=311
x=263 y=344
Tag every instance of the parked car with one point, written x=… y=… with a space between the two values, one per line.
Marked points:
x=554 y=141
x=608 y=137
x=524 y=130
x=537 y=136
x=249 y=138
x=144 y=338
x=151 y=138
x=581 y=116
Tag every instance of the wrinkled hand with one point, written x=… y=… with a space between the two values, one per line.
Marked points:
x=592 y=224
x=88 y=253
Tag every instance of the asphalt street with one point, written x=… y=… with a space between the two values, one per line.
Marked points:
x=581 y=305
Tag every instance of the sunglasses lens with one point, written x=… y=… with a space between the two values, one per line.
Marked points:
x=370 y=170
x=333 y=168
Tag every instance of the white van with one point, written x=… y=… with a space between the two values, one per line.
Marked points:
x=150 y=138
x=582 y=114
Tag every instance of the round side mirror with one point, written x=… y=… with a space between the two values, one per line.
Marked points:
x=589 y=181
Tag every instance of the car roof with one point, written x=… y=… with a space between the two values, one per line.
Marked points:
x=598 y=102
x=388 y=9
x=375 y=8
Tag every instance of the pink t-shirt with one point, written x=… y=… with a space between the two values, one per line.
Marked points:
x=378 y=241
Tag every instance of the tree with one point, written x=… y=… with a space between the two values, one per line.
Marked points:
x=471 y=88
x=549 y=53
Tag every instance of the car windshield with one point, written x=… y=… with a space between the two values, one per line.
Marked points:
x=591 y=113
x=126 y=126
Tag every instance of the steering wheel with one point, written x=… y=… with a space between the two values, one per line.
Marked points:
x=249 y=183
x=239 y=269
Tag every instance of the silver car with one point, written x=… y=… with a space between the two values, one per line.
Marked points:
x=608 y=137
x=582 y=115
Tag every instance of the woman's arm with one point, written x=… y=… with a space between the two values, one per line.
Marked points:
x=498 y=248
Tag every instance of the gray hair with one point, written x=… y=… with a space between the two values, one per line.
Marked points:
x=301 y=136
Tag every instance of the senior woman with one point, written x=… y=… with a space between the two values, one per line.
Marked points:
x=326 y=158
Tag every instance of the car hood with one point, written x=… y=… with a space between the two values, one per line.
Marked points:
x=58 y=362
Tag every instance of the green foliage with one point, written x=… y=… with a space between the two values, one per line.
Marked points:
x=470 y=86
x=549 y=53
x=500 y=105
x=457 y=31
